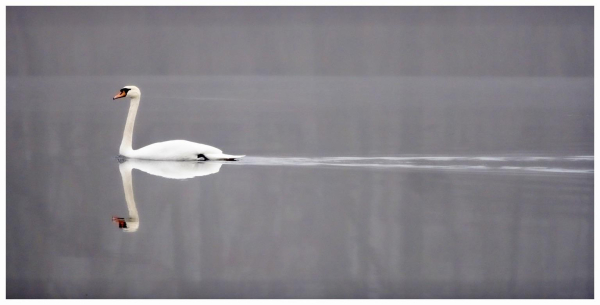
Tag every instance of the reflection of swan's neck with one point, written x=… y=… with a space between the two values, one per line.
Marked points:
x=128 y=133
x=133 y=220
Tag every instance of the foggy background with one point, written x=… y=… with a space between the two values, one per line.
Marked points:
x=294 y=84
x=342 y=41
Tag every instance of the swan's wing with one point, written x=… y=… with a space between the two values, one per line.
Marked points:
x=174 y=150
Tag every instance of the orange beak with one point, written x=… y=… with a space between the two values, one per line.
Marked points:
x=120 y=95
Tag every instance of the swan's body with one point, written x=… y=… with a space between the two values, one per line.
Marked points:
x=175 y=150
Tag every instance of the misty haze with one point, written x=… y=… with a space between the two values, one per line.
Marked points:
x=391 y=152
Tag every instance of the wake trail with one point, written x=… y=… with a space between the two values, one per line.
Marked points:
x=491 y=164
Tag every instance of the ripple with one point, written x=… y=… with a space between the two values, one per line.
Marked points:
x=491 y=164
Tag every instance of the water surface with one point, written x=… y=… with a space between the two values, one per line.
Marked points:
x=379 y=187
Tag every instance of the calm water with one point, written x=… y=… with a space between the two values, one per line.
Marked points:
x=353 y=187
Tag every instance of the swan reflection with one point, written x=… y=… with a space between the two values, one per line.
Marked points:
x=167 y=169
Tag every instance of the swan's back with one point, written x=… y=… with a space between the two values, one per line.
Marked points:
x=175 y=150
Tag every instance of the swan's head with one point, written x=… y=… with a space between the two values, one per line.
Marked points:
x=127 y=224
x=128 y=91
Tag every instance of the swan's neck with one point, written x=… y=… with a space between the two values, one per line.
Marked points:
x=126 y=143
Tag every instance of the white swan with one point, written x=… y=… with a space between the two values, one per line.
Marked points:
x=166 y=169
x=175 y=150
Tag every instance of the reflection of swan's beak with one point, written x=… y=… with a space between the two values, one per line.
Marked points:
x=120 y=222
x=119 y=95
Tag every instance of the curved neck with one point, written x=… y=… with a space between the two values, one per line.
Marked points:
x=126 y=148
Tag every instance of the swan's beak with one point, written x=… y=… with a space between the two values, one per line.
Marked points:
x=120 y=95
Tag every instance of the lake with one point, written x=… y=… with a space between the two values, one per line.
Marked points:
x=353 y=187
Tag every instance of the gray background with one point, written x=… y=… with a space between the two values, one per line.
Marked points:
x=506 y=92
x=366 y=41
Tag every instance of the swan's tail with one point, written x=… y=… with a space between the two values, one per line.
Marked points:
x=223 y=157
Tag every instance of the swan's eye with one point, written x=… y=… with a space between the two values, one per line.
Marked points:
x=124 y=90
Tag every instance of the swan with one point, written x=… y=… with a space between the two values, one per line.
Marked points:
x=166 y=169
x=175 y=150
